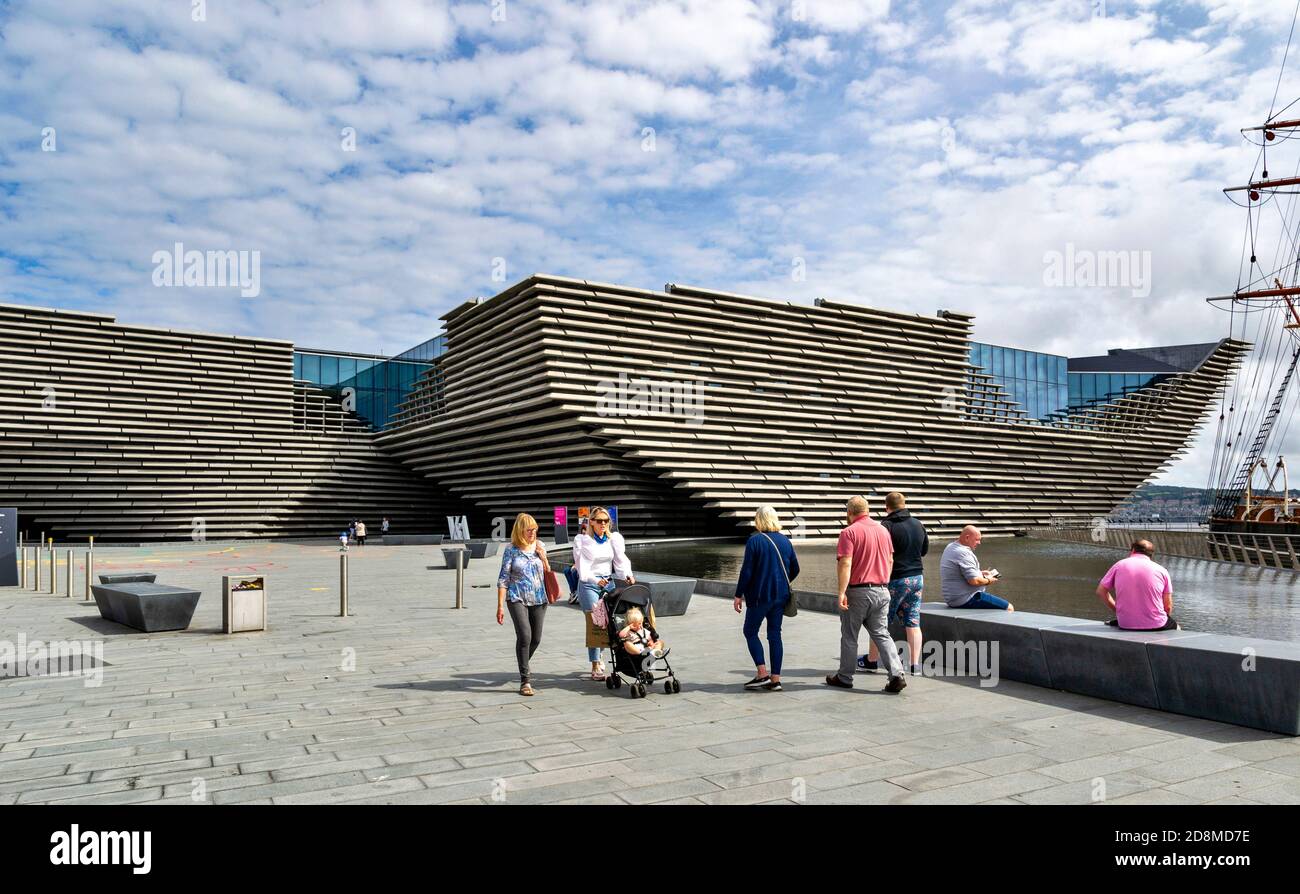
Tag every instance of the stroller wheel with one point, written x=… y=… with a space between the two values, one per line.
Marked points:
x=618 y=681
x=640 y=690
x=668 y=686
x=677 y=685
x=609 y=682
x=631 y=691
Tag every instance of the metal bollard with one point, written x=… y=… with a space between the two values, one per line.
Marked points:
x=343 y=585
x=70 y=567
x=460 y=578
x=38 y=583
x=54 y=572
x=22 y=569
x=90 y=570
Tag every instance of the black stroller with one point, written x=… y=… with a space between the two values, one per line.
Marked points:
x=640 y=669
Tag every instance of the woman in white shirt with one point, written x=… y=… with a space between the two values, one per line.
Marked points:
x=600 y=558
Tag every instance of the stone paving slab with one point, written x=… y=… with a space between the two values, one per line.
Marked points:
x=409 y=701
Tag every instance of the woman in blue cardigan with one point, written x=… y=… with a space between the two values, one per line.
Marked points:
x=764 y=589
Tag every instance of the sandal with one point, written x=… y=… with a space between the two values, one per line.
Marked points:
x=525 y=689
x=598 y=673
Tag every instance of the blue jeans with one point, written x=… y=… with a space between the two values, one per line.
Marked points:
x=754 y=619
x=985 y=600
x=588 y=595
x=571 y=575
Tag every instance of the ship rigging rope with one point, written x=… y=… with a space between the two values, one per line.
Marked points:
x=1285 y=53
x=1258 y=401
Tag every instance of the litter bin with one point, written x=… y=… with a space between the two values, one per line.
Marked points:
x=481 y=549
x=243 y=604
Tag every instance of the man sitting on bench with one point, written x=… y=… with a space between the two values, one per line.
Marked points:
x=1139 y=591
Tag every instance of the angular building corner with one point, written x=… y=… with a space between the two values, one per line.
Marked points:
x=688 y=408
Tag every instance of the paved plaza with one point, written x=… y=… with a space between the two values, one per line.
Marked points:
x=410 y=701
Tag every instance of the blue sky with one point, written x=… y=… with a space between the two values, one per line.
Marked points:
x=903 y=154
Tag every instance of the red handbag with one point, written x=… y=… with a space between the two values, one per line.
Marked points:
x=552 y=585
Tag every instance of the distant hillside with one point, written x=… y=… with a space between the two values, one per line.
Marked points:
x=1171 y=502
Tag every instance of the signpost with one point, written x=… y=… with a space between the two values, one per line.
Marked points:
x=8 y=547
x=561 y=524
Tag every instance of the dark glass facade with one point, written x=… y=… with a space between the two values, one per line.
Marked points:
x=1036 y=381
x=381 y=384
x=1045 y=388
x=1091 y=388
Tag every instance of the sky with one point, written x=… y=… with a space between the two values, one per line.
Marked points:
x=388 y=159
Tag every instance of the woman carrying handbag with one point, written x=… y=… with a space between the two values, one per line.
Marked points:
x=523 y=589
x=764 y=590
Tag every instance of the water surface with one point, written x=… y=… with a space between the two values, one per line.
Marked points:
x=1045 y=576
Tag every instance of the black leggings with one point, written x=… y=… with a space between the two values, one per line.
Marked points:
x=528 y=632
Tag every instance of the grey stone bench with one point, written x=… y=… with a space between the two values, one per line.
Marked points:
x=146 y=606
x=142 y=577
x=1232 y=679
x=412 y=539
x=670 y=595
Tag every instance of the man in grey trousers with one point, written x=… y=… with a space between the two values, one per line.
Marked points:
x=866 y=557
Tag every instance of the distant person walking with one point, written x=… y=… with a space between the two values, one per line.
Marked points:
x=343 y=541
x=520 y=588
x=352 y=530
x=600 y=557
x=764 y=589
x=383 y=527
x=865 y=554
x=1138 y=591
x=361 y=533
x=962 y=580
x=906 y=581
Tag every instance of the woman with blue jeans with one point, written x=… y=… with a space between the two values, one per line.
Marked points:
x=764 y=589
x=599 y=557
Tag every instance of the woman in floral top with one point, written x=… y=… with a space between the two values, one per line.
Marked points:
x=520 y=588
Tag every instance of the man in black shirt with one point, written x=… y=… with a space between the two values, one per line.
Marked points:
x=905 y=581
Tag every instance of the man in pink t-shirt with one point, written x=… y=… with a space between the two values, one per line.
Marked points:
x=1139 y=591
x=866 y=557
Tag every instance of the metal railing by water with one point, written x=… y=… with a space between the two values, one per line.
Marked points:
x=1263 y=550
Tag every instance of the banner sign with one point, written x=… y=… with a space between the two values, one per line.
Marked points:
x=613 y=518
x=561 y=524
x=8 y=547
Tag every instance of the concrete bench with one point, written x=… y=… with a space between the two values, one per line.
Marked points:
x=412 y=539
x=146 y=606
x=1249 y=682
x=671 y=595
x=142 y=577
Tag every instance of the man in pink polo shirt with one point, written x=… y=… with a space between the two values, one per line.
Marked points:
x=866 y=557
x=1139 y=591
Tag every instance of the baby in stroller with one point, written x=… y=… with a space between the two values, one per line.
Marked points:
x=636 y=649
x=637 y=639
